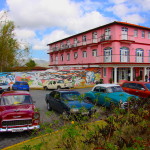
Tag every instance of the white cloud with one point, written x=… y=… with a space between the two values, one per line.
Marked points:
x=54 y=36
x=134 y=18
x=24 y=34
x=118 y=1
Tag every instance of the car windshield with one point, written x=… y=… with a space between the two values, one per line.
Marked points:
x=114 y=89
x=70 y=96
x=1 y=84
x=16 y=99
x=148 y=86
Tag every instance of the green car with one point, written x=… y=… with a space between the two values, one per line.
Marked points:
x=108 y=94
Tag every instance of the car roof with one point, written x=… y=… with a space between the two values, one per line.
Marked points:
x=9 y=93
x=66 y=91
x=106 y=85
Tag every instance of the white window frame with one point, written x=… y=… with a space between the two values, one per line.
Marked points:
x=135 y=33
x=143 y=34
x=84 y=53
x=84 y=38
x=75 y=55
x=94 y=52
x=62 y=57
x=68 y=56
x=148 y=35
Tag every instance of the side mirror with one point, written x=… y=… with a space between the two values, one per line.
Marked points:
x=142 y=89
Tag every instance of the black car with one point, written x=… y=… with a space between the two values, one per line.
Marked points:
x=68 y=102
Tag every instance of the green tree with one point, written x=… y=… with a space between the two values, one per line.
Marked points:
x=11 y=51
x=30 y=64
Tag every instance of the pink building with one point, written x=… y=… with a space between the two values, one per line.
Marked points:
x=120 y=50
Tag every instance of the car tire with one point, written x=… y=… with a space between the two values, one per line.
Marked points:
x=58 y=87
x=48 y=106
x=65 y=115
x=45 y=88
x=88 y=99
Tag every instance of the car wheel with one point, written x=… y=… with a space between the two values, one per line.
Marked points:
x=88 y=99
x=58 y=87
x=45 y=88
x=65 y=115
x=48 y=106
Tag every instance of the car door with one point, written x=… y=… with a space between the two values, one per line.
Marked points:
x=129 y=88
x=140 y=90
x=57 y=103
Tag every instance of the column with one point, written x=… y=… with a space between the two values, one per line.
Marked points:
x=145 y=73
x=131 y=73
x=115 y=75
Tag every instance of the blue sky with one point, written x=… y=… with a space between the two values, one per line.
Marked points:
x=39 y=22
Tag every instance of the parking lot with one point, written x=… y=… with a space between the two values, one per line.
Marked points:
x=7 y=139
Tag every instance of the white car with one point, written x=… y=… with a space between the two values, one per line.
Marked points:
x=57 y=84
x=4 y=87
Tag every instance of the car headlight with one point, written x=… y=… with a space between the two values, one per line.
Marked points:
x=36 y=116
x=74 y=110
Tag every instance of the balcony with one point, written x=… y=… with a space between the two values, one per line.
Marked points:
x=109 y=59
x=103 y=39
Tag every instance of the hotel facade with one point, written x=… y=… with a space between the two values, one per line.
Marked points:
x=119 y=50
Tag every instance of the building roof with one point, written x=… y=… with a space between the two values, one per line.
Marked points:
x=115 y=22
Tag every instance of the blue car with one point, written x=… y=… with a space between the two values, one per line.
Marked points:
x=108 y=95
x=68 y=102
x=20 y=85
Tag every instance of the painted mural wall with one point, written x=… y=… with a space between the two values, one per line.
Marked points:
x=37 y=79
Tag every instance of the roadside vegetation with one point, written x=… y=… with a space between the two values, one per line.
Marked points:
x=119 y=129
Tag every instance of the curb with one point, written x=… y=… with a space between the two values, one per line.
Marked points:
x=23 y=142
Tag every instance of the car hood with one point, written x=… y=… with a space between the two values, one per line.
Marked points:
x=120 y=96
x=78 y=104
x=16 y=111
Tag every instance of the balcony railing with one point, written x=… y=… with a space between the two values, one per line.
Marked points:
x=102 y=39
x=105 y=59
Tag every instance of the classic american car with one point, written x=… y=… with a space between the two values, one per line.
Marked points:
x=108 y=95
x=68 y=102
x=17 y=112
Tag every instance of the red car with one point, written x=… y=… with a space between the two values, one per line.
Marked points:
x=17 y=112
x=141 y=89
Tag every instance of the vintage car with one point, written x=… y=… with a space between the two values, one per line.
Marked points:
x=141 y=89
x=68 y=102
x=17 y=112
x=4 y=87
x=108 y=95
x=21 y=85
x=57 y=84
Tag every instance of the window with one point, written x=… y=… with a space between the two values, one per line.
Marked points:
x=84 y=38
x=107 y=34
x=124 y=33
x=135 y=33
x=94 y=52
x=68 y=56
x=104 y=72
x=148 y=35
x=124 y=54
x=94 y=35
x=75 y=41
x=108 y=54
x=143 y=34
x=75 y=55
x=84 y=54
x=62 y=57
x=139 y=55
x=51 y=58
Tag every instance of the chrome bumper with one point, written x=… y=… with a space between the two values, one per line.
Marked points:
x=21 y=129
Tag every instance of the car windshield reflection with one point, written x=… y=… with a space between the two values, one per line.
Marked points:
x=16 y=100
x=148 y=86
x=114 y=89
x=70 y=96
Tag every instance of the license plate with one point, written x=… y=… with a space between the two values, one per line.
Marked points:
x=17 y=130
x=85 y=113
